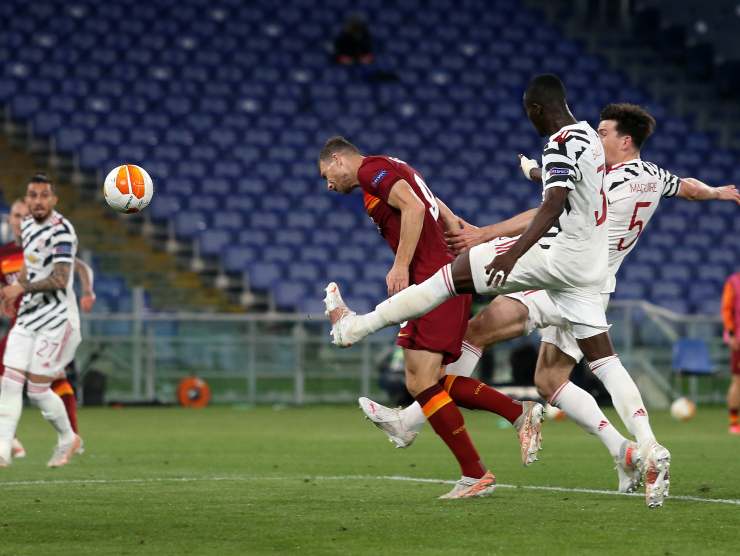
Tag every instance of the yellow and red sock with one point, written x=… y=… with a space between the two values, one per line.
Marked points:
x=448 y=423
x=734 y=419
x=473 y=394
x=64 y=390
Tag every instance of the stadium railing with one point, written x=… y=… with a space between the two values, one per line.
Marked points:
x=288 y=358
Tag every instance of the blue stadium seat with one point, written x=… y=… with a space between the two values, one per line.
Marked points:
x=289 y=294
x=237 y=258
x=262 y=276
x=189 y=224
x=213 y=242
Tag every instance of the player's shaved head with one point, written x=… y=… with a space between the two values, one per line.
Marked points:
x=546 y=90
x=545 y=104
x=631 y=119
x=336 y=145
x=339 y=161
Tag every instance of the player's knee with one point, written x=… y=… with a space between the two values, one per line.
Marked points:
x=475 y=334
x=547 y=383
x=37 y=391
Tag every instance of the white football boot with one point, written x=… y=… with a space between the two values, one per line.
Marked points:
x=467 y=487
x=529 y=429
x=389 y=421
x=656 y=463
x=341 y=318
x=64 y=451
x=628 y=467
x=19 y=451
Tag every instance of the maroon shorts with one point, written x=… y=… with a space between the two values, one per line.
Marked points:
x=735 y=362
x=441 y=330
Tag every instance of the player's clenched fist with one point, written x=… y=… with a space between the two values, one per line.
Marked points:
x=397 y=279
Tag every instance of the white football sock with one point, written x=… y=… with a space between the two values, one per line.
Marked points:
x=625 y=396
x=468 y=361
x=52 y=409
x=11 y=405
x=413 y=417
x=411 y=303
x=581 y=406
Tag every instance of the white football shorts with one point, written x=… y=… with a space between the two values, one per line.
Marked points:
x=544 y=315
x=44 y=353
x=582 y=309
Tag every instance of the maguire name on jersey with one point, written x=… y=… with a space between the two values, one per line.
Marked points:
x=44 y=245
x=634 y=189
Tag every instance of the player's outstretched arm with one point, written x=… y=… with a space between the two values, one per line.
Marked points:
x=550 y=209
x=403 y=198
x=696 y=190
x=87 y=279
x=467 y=238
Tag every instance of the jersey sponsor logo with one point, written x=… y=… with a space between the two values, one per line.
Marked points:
x=32 y=258
x=378 y=177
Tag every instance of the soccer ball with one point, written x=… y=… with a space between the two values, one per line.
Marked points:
x=683 y=409
x=128 y=188
x=553 y=413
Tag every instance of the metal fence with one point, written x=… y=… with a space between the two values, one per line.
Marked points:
x=284 y=358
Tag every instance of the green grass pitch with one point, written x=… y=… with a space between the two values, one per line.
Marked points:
x=310 y=480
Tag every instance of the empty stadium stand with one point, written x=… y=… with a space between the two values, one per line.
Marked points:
x=228 y=116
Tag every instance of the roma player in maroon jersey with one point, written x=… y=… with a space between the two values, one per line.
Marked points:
x=11 y=261
x=412 y=220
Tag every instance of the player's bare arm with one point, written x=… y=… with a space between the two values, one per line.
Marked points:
x=57 y=280
x=693 y=189
x=87 y=279
x=403 y=198
x=546 y=216
x=468 y=237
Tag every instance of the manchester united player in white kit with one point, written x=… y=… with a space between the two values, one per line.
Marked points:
x=572 y=267
x=633 y=188
x=46 y=332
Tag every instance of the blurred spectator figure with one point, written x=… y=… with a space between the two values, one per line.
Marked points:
x=354 y=45
x=731 y=320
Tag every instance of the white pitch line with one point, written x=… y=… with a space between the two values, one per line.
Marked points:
x=246 y=478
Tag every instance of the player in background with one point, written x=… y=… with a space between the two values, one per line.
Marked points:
x=631 y=183
x=46 y=332
x=572 y=266
x=11 y=262
x=731 y=321
x=412 y=219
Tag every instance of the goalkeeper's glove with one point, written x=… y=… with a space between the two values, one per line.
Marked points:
x=527 y=165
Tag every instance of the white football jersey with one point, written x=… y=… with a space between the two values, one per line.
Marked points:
x=634 y=189
x=45 y=244
x=574 y=158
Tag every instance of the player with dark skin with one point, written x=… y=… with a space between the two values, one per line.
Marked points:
x=548 y=115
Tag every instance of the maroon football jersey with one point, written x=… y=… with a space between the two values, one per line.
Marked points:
x=376 y=176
